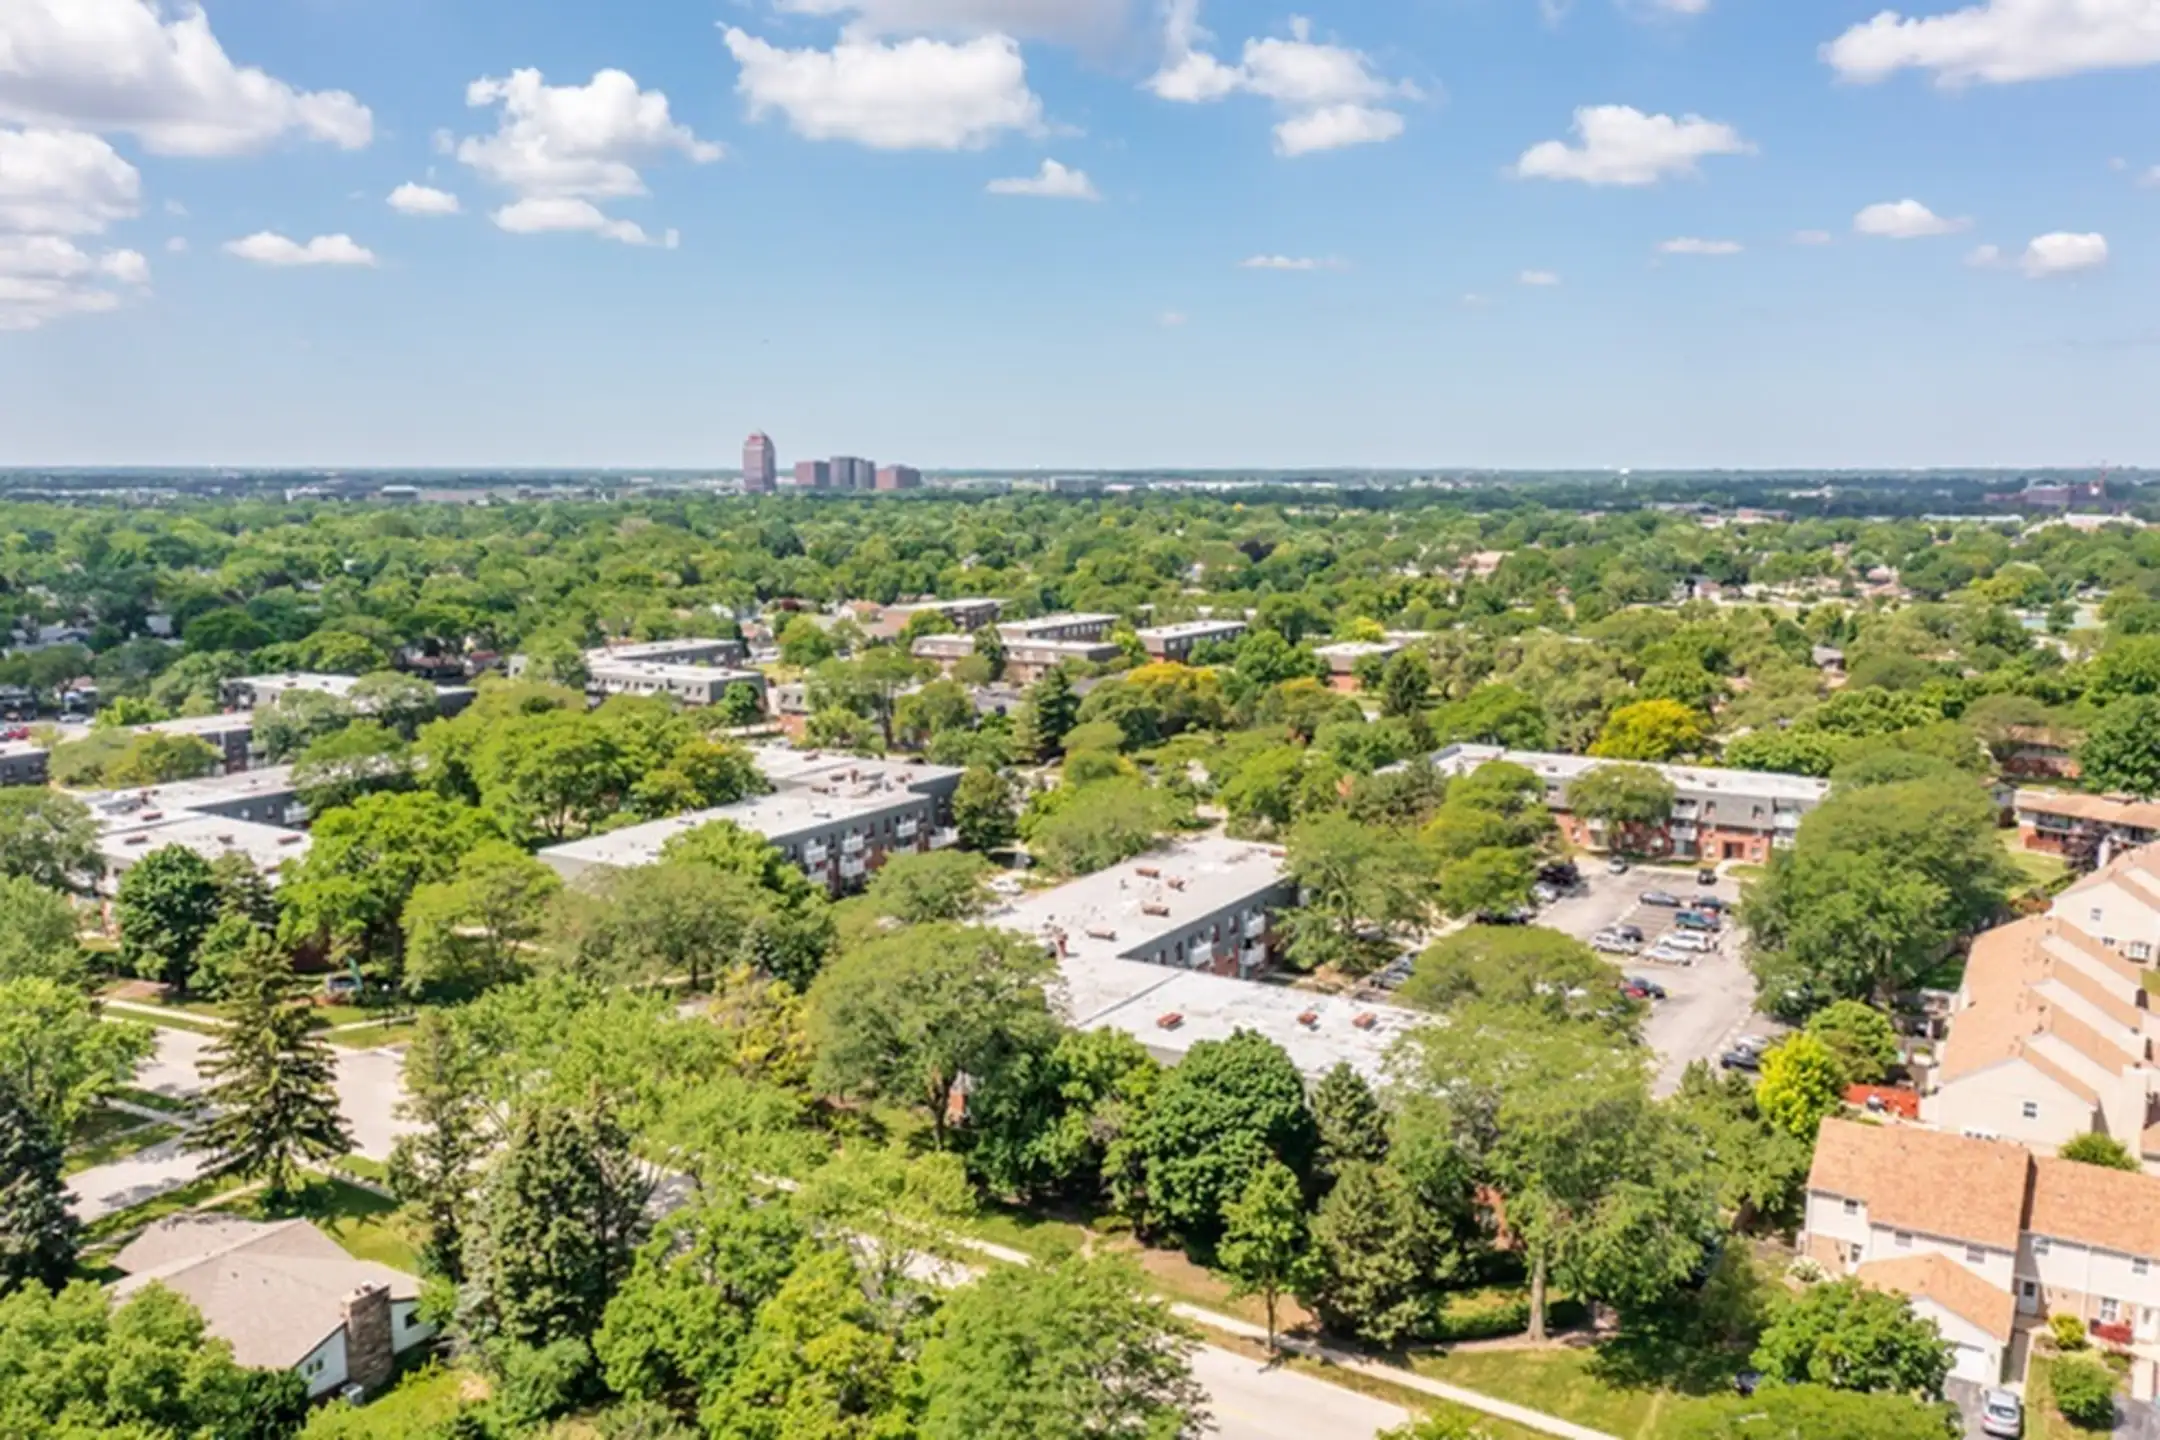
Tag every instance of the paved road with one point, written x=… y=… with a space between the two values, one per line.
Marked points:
x=368 y=1090
x=1253 y=1401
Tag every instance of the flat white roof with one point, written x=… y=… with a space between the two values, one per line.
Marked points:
x=1692 y=782
x=1129 y=995
x=776 y=817
x=210 y=836
x=1108 y=914
x=654 y=649
x=20 y=747
x=224 y=724
x=339 y=685
x=1191 y=627
x=683 y=672
x=786 y=767
x=1359 y=649
x=274 y=780
x=971 y=603
x=1054 y=622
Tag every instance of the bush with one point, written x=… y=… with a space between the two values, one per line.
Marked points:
x=540 y=1382
x=1807 y=1270
x=2084 y=1392
x=1496 y=1315
x=2069 y=1332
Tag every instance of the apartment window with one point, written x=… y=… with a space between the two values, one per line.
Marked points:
x=314 y=1366
x=1904 y=1239
x=1974 y=1255
x=1852 y=1207
x=2111 y=942
x=2110 y=1310
x=2040 y=1245
x=2093 y=914
x=2141 y=1267
x=2030 y=1109
x=411 y=1320
x=2140 y=950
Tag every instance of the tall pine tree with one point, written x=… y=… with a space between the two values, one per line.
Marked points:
x=273 y=1082
x=1049 y=714
x=37 y=1234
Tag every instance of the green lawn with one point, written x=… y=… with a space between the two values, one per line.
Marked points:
x=167 y=1019
x=423 y=1400
x=360 y=1220
x=151 y=1100
x=113 y=1143
x=2044 y=871
x=1635 y=1394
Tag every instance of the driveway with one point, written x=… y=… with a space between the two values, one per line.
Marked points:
x=1708 y=1003
x=1253 y=1401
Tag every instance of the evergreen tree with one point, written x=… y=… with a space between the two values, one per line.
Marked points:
x=557 y=1226
x=1353 y=1128
x=37 y=1234
x=1051 y=711
x=436 y=1167
x=273 y=1081
x=1374 y=1259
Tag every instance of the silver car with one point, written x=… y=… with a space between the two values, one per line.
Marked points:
x=2002 y=1414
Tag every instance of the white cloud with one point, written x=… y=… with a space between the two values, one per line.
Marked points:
x=1905 y=220
x=1681 y=7
x=123 y=65
x=1985 y=257
x=268 y=248
x=1291 y=262
x=562 y=214
x=1074 y=20
x=1331 y=95
x=411 y=199
x=46 y=277
x=1695 y=245
x=63 y=182
x=1537 y=278
x=1334 y=127
x=1052 y=182
x=1620 y=145
x=561 y=147
x=917 y=94
x=177 y=245
x=1811 y=237
x=2063 y=253
x=2002 y=41
x=1171 y=319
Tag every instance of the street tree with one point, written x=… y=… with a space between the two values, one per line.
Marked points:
x=273 y=1082
x=1265 y=1242
x=1070 y=1351
x=907 y=1015
x=59 y=1055
x=1848 y=1336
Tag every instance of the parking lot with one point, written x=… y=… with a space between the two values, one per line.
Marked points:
x=1709 y=1003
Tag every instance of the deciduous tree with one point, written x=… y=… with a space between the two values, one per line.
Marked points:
x=1217 y=1117
x=37 y=1231
x=168 y=901
x=1264 y=1241
x=1849 y=1337
x=58 y=1054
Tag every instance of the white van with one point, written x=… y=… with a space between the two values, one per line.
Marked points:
x=1688 y=940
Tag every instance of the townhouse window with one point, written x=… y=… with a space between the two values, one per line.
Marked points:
x=2030 y=1109
x=2140 y=950
x=2111 y=942
x=1974 y=1255
x=2040 y=1245
x=1904 y=1239
x=1852 y=1207
x=2110 y=1310
x=2093 y=914
x=2141 y=1267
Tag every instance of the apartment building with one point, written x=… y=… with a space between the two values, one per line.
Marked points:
x=1177 y=642
x=22 y=763
x=1057 y=627
x=1344 y=658
x=268 y=847
x=837 y=817
x=231 y=734
x=964 y=616
x=267 y=796
x=1164 y=948
x=251 y=691
x=1717 y=814
x=1989 y=1241
x=672 y=652
x=687 y=684
x=2061 y=823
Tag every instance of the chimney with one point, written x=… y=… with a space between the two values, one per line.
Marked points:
x=370 y=1353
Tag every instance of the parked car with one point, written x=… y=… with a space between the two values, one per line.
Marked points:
x=1706 y=876
x=1753 y=1044
x=1616 y=866
x=1688 y=940
x=1746 y=1060
x=1626 y=932
x=1696 y=920
x=1543 y=894
x=1562 y=875
x=2003 y=1414
x=1712 y=903
x=1648 y=986
x=1665 y=954
x=1664 y=899
x=1607 y=943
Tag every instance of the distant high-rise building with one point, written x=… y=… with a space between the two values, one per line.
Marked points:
x=899 y=477
x=852 y=472
x=760 y=463
x=813 y=475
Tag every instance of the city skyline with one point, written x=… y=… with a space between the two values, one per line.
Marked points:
x=1108 y=234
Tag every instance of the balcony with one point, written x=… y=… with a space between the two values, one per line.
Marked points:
x=1251 y=958
x=1255 y=926
x=852 y=845
x=852 y=868
x=944 y=839
x=815 y=853
x=907 y=827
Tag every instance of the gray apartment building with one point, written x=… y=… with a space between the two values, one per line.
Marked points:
x=22 y=763
x=250 y=691
x=263 y=797
x=687 y=684
x=1177 y=642
x=852 y=472
x=231 y=734
x=673 y=652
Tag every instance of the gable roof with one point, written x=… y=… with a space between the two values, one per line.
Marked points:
x=2028 y=979
x=2092 y=1205
x=1925 y=1180
x=1938 y=1279
x=275 y=1290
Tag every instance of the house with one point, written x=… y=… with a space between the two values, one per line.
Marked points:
x=284 y=1295
x=1717 y=814
x=22 y=762
x=1989 y=1241
x=2041 y=752
x=2062 y=823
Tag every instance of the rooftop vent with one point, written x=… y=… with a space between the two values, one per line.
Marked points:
x=1366 y=1021
x=1170 y=1021
x=1155 y=907
x=1148 y=872
x=1310 y=1019
x=1176 y=882
x=1101 y=932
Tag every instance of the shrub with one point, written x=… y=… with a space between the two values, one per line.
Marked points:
x=1496 y=1315
x=1807 y=1270
x=540 y=1382
x=2069 y=1332
x=2084 y=1392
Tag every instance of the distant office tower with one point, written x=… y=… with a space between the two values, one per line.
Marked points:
x=813 y=475
x=899 y=477
x=852 y=472
x=760 y=465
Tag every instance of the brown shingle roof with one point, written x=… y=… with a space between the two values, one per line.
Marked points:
x=1925 y=1180
x=2133 y=813
x=2093 y=1205
x=1940 y=1279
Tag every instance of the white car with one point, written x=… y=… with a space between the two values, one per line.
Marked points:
x=1664 y=954
x=1690 y=941
x=1608 y=943
x=2002 y=1414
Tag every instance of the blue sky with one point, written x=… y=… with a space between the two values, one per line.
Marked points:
x=1080 y=232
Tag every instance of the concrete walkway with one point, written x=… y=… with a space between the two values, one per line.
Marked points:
x=1371 y=1369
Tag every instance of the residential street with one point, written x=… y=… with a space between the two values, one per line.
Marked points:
x=1252 y=1401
